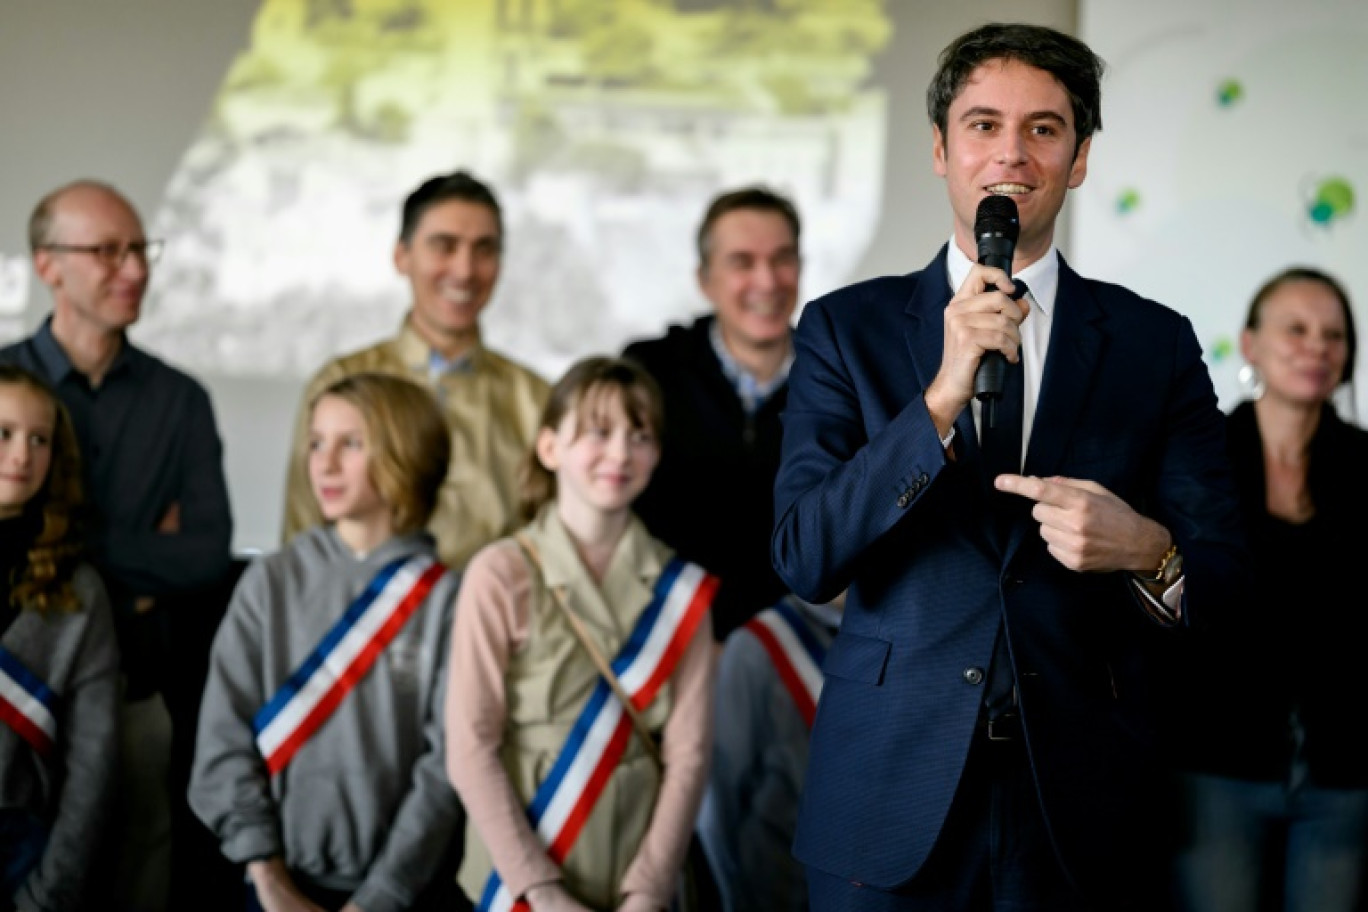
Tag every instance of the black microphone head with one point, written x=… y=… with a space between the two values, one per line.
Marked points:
x=997 y=216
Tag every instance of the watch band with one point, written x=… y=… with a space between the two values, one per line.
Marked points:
x=1170 y=568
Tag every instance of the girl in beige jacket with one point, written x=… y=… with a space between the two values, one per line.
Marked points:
x=570 y=805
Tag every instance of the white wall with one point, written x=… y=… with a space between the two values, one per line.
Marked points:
x=1234 y=144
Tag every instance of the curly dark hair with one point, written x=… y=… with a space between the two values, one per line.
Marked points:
x=44 y=581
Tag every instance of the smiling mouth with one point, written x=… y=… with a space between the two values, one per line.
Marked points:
x=763 y=308
x=1007 y=189
x=458 y=296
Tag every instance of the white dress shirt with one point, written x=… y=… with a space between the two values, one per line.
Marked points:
x=1042 y=277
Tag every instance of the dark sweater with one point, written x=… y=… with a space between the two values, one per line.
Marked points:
x=712 y=496
x=1299 y=643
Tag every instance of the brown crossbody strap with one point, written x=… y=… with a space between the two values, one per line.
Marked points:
x=604 y=668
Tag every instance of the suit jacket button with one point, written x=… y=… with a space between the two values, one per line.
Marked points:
x=903 y=500
x=973 y=675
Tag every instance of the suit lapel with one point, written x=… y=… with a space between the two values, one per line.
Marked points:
x=925 y=336
x=1077 y=340
x=925 y=339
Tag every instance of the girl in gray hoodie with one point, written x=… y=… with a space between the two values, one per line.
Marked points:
x=319 y=756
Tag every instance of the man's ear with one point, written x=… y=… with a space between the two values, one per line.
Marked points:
x=1079 y=169
x=401 y=257
x=938 y=150
x=45 y=268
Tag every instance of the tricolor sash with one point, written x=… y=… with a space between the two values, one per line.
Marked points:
x=27 y=704
x=796 y=653
x=599 y=737
x=342 y=658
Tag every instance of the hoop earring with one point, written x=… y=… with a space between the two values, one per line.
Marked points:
x=1251 y=381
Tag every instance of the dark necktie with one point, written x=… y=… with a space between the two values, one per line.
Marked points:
x=1001 y=445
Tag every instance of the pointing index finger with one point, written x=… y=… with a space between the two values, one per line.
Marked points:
x=1030 y=486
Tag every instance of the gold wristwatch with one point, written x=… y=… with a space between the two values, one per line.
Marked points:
x=1170 y=569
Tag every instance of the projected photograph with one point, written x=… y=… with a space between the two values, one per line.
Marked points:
x=604 y=128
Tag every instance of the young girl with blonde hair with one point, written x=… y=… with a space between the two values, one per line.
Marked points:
x=319 y=757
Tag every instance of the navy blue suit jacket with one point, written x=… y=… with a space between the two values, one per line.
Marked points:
x=866 y=499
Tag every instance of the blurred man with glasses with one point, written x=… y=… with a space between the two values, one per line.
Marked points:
x=158 y=527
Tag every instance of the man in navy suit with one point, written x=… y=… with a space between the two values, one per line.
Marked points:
x=984 y=738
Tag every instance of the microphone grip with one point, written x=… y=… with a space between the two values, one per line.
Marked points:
x=988 y=382
x=991 y=375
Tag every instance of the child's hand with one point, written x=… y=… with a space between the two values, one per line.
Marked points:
x=290 y=900
x=275 y=888
x=639 y=902
x=553 y=897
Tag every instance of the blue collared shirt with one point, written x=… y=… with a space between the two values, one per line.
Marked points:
x=463 y=363
x=749 y=389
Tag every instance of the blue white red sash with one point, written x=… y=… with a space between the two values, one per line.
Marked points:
x=342 y=658
x=566 y=798
x=796 y=653
x=27 y=705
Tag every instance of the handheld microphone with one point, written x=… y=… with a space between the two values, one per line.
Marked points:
x=996 y=228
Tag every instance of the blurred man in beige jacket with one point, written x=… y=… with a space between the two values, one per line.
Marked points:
x=450 y=248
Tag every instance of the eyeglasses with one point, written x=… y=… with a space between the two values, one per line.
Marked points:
x=113 y=253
